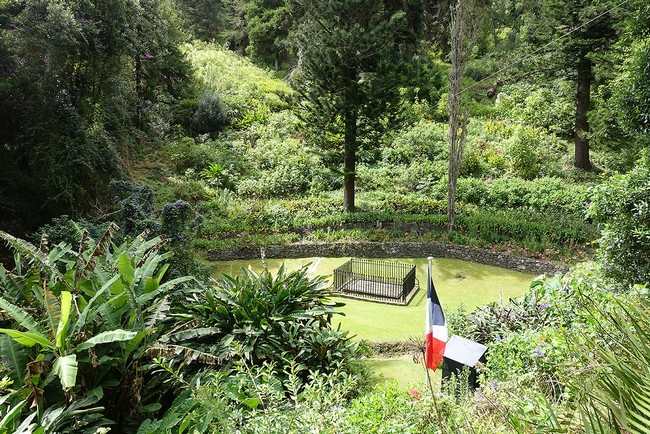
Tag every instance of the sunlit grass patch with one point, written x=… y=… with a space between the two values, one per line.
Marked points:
x=457 y=282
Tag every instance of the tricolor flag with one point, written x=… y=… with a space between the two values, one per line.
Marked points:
x=436 y=327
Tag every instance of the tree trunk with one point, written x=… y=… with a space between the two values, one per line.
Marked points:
x=350 y=160
x=139 y=90
x=464 y=25
x=583 y=97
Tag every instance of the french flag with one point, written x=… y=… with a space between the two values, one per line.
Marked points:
x=436 y=327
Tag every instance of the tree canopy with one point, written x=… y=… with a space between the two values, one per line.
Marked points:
x=349 y=54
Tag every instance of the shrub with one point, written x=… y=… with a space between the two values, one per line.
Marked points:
x=277 y=163
x=376 y=178
x=312 y=207
x=389 y=410
x=178 y=223
x=529 y=337
x=472 y=190
x=532 y=359
x=257 y=400
x=525 y=152
x=412 y=204
x=621 y=207
x=282 y=320
x=136 y=207
x=420 y=175
x=424 y=141
x=619 y=365
x=198 y=153
x=284 y=180
x=247 y=93
x=542 y=194
x=186 y=153
x=323 y=179
x=63 y=229
x=596 y=355
x=473 y=163
x=217 y=176
x=528 y=228
x=542 y=107
x=210 y=116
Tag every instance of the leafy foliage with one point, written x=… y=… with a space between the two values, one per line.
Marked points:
x=621 y=206
x=247 y=94
x=632 y=92
x=282 y=319
x=257 y=400
x=81 y=79
x=547 y=107
x=80 y=325
x=210 y=116
x=617 y=394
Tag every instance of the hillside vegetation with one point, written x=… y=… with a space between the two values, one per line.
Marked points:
x=137 y=135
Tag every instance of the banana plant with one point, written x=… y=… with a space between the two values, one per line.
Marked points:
x=57 y=344
x=84 y=318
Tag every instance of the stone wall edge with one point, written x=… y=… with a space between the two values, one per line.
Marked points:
x=394 y=249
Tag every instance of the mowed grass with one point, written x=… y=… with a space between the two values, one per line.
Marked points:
x=404 y=371
x=457 y=283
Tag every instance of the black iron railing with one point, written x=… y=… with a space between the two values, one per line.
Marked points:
x=375 y=280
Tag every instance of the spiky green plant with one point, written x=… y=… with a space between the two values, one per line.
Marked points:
x=611 y=386
x=617 y=399
x=282 y=318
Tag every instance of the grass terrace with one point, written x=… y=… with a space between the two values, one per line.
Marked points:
x=458 y=283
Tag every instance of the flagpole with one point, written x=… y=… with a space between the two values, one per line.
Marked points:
x=428 y=385
x=427 y=380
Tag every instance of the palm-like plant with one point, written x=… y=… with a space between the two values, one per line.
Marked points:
x=85 y=318
x=617 y=399
x=264 y=318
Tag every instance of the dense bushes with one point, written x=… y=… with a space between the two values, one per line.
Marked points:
x=247 y=94
x=570 y=344
x=101 y=337
x=76 y=330
x=282 y=320
x=77 y=94
x=210 y=116
x=542 y=228
x=549 y=107
x=424 y=141
x=621 y=206
x=541 y=194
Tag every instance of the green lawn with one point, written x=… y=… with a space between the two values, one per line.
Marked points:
x=407 y=373
x=457 y=282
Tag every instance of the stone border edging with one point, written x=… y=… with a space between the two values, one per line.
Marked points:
x=392 y=250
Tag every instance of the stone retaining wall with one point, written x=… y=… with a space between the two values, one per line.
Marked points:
x=391 y=250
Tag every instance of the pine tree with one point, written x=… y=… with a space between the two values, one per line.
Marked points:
x=576 y=33
x=349 y=57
